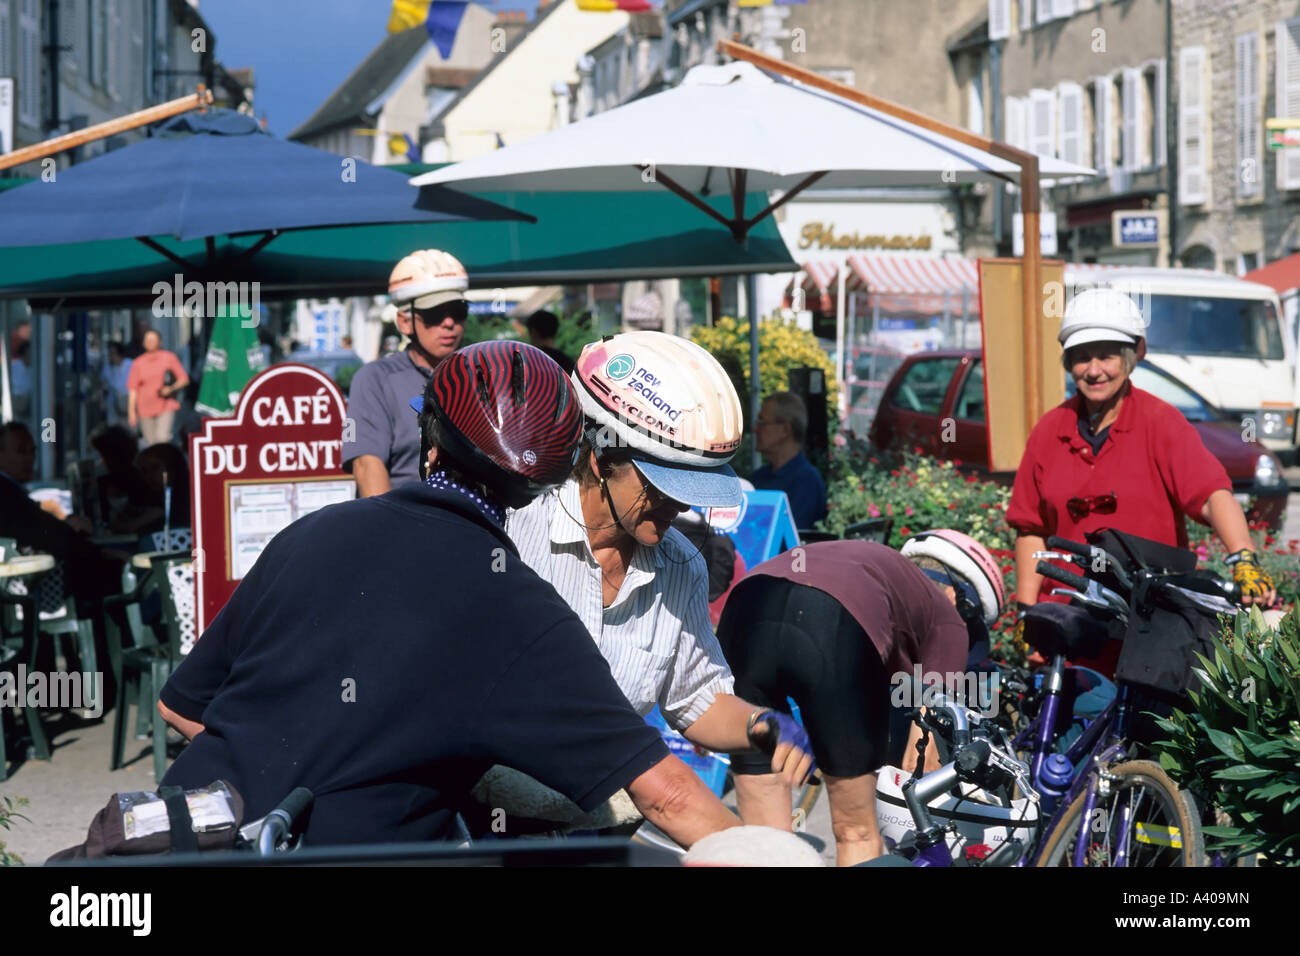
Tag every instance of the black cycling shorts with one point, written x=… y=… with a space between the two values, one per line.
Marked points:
x=789 y=640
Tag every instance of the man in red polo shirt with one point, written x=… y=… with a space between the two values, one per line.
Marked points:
x=1114 y=456
x=150 y=405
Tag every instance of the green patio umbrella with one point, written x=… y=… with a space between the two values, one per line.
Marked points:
x=234 y=357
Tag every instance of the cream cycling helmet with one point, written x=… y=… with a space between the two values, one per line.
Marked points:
x=669 y=403
x=427 y=278
x=968 y=560
x=1101 y=315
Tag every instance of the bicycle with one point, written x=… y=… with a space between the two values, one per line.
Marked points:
x=1100 y=805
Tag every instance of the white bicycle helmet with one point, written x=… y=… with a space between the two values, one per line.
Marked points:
x=427 y=278
x=968 y=560
x=1101 y=315
x=669 y=402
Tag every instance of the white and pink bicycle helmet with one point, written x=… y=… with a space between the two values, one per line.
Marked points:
x=667 y=401
x=968 y=560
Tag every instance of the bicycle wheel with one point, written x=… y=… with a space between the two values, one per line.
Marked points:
x=1162 y=823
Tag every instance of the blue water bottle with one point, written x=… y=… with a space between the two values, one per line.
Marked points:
x=1054 y=780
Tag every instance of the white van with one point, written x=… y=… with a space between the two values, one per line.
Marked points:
x=1219 y=334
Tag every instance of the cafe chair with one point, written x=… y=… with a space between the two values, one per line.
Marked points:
x=18 y=637
x=810 y=536
x=154 y=651
x=175 y=539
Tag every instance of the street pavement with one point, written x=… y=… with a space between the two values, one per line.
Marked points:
x=67 y=791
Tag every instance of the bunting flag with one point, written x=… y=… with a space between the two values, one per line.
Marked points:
x=605 y=6
x=440 y=17
x=401 y=145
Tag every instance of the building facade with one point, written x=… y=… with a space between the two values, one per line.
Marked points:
x=1238 y=201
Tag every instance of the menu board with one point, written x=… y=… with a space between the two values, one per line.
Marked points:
x=259 y=510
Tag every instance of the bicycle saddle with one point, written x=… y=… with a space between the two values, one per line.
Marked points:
x=1065 y=629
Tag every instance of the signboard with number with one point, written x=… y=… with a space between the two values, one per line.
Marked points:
x=276 y=459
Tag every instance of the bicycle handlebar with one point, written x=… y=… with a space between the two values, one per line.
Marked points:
x=279 y=822
x=1076 y=581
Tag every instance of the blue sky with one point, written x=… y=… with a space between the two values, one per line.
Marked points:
x=302 y=50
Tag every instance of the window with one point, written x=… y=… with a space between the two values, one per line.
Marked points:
x=924 y=386
x=970 y=400
x=1193 y=188
x=1043 y=11
x=1200 y=325
x=1062 y=8
x=1026 y=15
x=1288 y=97
x=70 y=37
x=1250 y=180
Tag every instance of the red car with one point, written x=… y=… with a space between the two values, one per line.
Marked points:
x=932 y=386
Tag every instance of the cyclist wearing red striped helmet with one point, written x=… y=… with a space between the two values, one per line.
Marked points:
x=387 y=651
x=841 y=628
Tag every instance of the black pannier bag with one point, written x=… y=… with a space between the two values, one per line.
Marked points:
x=1160 y=647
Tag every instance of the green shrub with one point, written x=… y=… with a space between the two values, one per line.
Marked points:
x=1239 y=745
x=782 y=346
x=9 y=807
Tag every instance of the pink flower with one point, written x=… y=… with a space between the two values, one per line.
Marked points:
x=873 y=510
x=889 y=510
x=908 y=512
x=840 y=441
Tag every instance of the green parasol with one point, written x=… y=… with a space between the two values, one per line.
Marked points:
x=234 y=357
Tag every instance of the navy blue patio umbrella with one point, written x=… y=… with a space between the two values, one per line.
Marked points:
x=219 y=174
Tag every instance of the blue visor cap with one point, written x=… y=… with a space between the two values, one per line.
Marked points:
x=716 y=487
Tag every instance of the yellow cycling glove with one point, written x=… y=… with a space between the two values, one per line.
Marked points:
x=1248 y=575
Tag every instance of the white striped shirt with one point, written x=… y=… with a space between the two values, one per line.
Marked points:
x=656 y=636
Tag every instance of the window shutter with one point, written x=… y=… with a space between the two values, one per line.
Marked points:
x=999 y=19
x=1043 y=13
x=1026 y=15
x=1042 y=122
x=114 y=42
x=1161 y=138
x=1248 y=174
x=1130 y=148
x=1288 y=97
x=1062 y=8
x=5 y=39
x=975 y=119
x=1083 y=5
x=1013 y=122
x=1192 y=186
x=1071 y=99
x=29 y=67
x=1101 y=125
x=69 y=36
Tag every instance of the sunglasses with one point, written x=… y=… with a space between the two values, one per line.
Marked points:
x=458 y=312
x=1080 y=508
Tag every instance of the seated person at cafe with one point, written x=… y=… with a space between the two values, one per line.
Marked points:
x=161 y=467
x=778 y=437
x=122 y=488
x=542 y=328
x=89 y=572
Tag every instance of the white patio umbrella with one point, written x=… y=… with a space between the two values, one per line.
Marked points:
x=730 y=129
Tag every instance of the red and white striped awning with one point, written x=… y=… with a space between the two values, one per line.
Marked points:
x=912 y=275
x=818 y=280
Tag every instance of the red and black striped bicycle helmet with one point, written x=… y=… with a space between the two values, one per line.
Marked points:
x=509 y=417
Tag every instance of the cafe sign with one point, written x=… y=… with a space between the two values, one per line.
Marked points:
x=277 y=458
